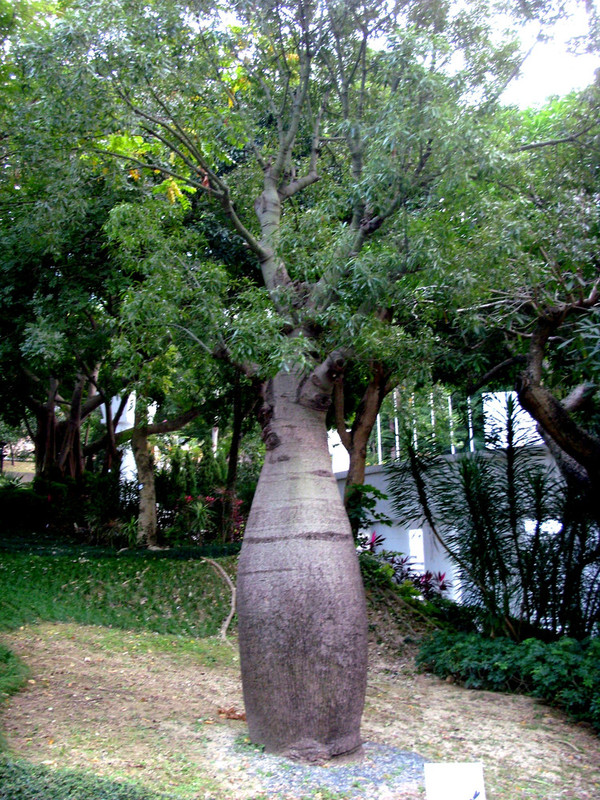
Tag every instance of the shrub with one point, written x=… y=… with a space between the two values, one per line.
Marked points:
x=361 y=507
x=525 y=545
x=90 y=510
x=13 y=672
x=20 y=507
x=564 y=673
x=376 y=574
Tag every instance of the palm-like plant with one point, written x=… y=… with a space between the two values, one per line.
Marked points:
x=527 y=553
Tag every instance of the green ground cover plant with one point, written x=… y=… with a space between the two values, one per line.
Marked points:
x=18 y=779
x=175 y=596
x=13 y=672
x=158 y=596
x=563 y=673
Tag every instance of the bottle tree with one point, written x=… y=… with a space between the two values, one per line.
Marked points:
x=319 y=131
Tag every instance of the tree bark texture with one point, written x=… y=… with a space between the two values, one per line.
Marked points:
x=551 y=415
x=357 y=438
x=146 y=527
x=58 y=446
x=301 y=607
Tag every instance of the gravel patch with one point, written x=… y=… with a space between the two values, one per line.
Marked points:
x=382 y=772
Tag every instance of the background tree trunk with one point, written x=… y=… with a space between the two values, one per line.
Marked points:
x=146 y=528
x=554 y=417
x=301 y=607
x=356 y=439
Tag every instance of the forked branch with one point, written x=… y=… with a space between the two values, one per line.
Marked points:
x=219 y=569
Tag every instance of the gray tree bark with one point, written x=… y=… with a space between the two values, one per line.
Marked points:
x=146 y=526
x=301 y=607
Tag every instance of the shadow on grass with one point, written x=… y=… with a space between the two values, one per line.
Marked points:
x=47 y=543
x=20 y=780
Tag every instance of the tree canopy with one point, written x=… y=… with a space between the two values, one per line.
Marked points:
x=291 y=189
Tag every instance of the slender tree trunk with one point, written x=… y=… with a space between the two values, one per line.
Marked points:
x=229 y=496
x=357 y=438
x=142 y=453
x=70 y=457
x=301 y=607
x=365 y=419
x=45 y=439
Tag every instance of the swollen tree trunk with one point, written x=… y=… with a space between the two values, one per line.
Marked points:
x=142 y=453
x=301 y=606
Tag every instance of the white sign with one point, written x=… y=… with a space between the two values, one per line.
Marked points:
x=462 y=781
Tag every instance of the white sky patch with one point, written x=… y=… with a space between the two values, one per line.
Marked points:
x=495 y=414
x=551 y=69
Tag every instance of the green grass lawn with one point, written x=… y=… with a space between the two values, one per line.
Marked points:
x=160 y=594
x=18 y=466
x=19 y=779
x=164 y=595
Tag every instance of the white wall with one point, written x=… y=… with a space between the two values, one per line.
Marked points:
x=417 y=538
x=414 y=539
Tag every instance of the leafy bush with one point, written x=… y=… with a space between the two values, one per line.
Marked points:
x=191 y=498
x=20 y=507
x=375 y=573
x=384 y=583
x=564 y=673
x=361 y=507
x=391 y=569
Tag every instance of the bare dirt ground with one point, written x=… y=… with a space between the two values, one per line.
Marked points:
x=110 y=703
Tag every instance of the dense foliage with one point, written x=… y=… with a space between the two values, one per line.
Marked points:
x=427 y=209
x=565 y=673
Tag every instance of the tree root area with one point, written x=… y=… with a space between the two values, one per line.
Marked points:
x=129 y=706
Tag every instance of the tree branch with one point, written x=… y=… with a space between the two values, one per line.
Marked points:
x=473 y=386
x=312 y=176
x=316 y=390
x=338 y=407
x=571 y=139
x=229 y=582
